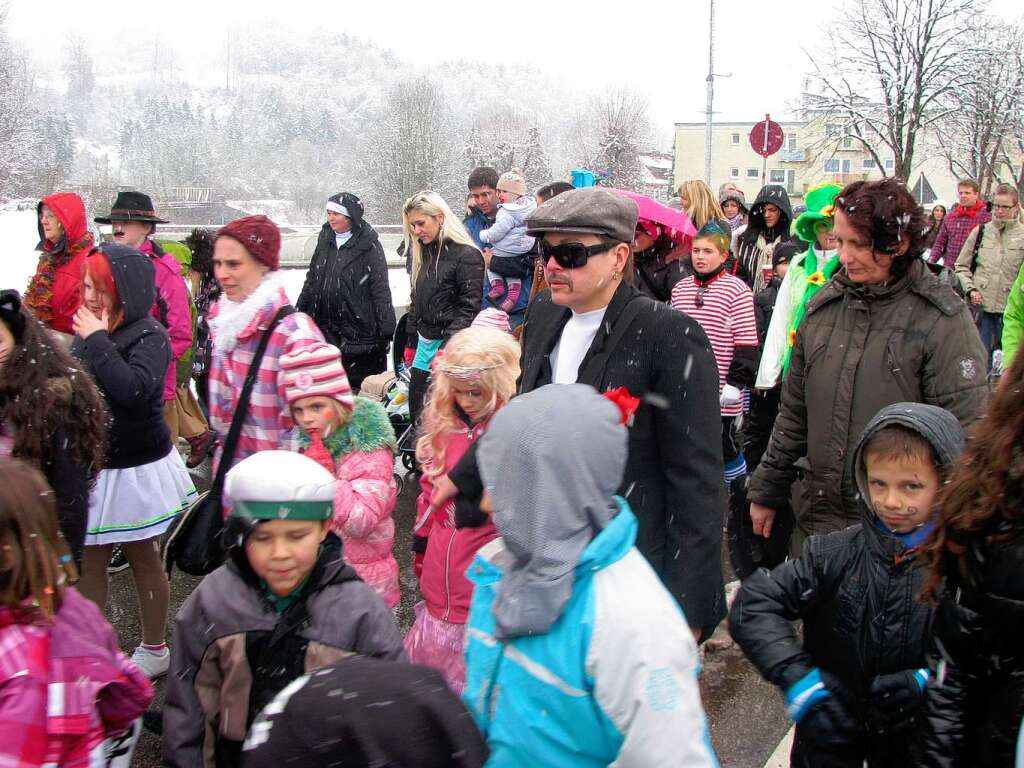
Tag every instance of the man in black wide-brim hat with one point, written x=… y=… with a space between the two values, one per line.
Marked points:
x=133 y=220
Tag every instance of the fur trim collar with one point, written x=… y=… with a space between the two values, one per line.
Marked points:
x=368 y=430
x=233 y=318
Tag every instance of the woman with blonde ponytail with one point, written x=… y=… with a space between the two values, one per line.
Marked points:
x=447 y=285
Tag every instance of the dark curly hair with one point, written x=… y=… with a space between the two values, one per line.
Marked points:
x=984 y=498
x=887 y=215
x=43 y=389
x=200 y=242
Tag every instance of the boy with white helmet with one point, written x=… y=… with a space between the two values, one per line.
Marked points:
x=285 y=603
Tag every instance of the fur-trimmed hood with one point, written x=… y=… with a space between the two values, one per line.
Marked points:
x=368 y=430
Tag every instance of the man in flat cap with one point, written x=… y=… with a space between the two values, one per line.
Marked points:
x=593 y=327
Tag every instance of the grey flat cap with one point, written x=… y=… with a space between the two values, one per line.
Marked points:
x=589 y=211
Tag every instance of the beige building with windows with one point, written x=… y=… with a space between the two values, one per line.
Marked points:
x=813 y=153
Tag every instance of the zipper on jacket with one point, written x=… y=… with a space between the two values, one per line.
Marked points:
x=447 y=570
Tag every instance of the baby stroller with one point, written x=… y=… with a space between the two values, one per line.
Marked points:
x=396 y=399
x=391 y=389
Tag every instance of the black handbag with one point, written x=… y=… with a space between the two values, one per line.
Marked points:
x=195 y=544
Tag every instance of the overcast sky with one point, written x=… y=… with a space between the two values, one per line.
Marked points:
x=660 y=48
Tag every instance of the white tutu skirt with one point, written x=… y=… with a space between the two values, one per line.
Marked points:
x=138 y=503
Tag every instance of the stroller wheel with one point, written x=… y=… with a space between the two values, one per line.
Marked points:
x=409 y=461
x=399 y=483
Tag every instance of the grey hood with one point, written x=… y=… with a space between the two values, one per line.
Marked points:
x=552 y=461
x=936 y=425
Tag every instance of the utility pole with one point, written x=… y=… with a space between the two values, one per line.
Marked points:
x=711 y=96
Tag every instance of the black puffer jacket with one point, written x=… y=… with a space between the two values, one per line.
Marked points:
x=856 y=593
x=346 y=290
x=975 y=699
x=130 y=363
x=447 y=293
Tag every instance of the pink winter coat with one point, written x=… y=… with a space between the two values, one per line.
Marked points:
x=65 y=686
x=236 y=334
x=364 y=502
x=171 y=308
x=450 y=548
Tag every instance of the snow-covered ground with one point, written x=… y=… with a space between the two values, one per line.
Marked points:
x=19 y=236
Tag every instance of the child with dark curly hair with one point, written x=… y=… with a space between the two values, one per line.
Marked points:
x=52 y=416
x=974 y=702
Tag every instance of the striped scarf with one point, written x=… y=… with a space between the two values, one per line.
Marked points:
x=39 y=294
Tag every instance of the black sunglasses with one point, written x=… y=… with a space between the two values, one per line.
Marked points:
x=572 y=255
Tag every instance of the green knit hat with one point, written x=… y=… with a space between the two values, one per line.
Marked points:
x=820 y=203
x=280 y=485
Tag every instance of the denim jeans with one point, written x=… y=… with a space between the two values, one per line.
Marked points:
x=990 y=328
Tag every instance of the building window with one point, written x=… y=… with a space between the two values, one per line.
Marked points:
x=890 y=164
x=753 y=173
x=734 y=173
x=832 y=130
x=847 y=142
x=776 y=176
x=792 y=143
x=846 y=166
x=832 y=165
x=868 y=164
x=735 y=138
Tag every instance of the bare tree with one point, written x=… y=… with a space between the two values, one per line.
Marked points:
x=610 y=136
x=506 y=139
x=977 y=135
x=892 y=71
x=411 y=149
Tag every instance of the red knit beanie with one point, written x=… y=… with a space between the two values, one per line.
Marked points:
x=259 y=236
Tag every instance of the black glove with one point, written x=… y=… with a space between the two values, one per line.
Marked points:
x=824 y=717
x=895 y=700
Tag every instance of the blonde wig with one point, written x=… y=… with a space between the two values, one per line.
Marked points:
x=485 y=356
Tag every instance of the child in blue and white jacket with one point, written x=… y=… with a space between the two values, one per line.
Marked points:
x=507 y=236
x=576 y=654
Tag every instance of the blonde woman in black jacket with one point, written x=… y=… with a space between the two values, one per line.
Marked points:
x=447 y=285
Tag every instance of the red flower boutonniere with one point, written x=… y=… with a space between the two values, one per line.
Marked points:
x=626 y=403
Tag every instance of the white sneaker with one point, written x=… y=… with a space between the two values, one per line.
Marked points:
x=152 y=663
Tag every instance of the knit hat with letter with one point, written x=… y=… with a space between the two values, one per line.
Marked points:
x=259 y=236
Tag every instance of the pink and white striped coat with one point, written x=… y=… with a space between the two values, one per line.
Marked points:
x=268 y=424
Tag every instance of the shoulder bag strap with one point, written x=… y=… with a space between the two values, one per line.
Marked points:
x=242 y=405
x=977 y=248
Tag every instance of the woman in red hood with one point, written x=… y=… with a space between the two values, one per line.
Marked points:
x=53 y=294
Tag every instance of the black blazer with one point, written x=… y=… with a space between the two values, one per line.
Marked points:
x=673 y=478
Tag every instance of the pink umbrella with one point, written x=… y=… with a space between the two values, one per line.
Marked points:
x=676 y=223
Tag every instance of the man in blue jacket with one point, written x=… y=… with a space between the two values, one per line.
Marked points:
x=483 y=193
x=576 y=654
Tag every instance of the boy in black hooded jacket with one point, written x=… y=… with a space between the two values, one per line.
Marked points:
x=854 y=684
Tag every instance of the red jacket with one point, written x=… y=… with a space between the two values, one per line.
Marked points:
x=59 y=310
x=450 y=550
